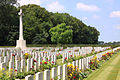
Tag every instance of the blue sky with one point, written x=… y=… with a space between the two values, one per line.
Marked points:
x=102 y=14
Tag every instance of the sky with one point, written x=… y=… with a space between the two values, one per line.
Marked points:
x=104 y=15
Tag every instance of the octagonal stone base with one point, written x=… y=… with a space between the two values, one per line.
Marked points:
x=21 y=44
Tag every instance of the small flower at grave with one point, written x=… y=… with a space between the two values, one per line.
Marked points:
x=11 y=69
x=65 y=58
x=52 y=61
x=35 y=61
x=91 y=62
x=95 y=57
x=45 y=62
x=69 y=51
x=3 y=68
x=73 y=69
x=111 y=54
x=40 y=62
x=15 y=70
x=70 y=74
x=49 y=60
x=70 y=55
x=32 y=66
x=88 y=62
x=103 y=55
x=74 y=77
x=107 y=54
x=77 y=69
x=26 y=54
x=13 y=54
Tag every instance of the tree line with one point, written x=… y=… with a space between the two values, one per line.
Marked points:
x=43 y=27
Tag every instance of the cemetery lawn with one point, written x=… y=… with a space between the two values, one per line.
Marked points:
x=110 y=70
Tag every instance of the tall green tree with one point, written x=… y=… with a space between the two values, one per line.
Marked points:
x=36 y=24
x=8 y=22
x=61 y=34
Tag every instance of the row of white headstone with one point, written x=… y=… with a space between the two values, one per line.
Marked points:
x=49 y=49
x=65 y=52
x=20 y=63
x=61 y=71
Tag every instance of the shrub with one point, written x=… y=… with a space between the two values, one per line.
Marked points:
x=94 y=63
x=59 y=56
x=46 y=65
x=106 y=56
x=6 y=76
x=73 y=73
x=20 y=75
x=26 y=55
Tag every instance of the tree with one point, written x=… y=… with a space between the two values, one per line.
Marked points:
x=37 y=22
x=8 y=22
x=61 y=34
x=100 y=42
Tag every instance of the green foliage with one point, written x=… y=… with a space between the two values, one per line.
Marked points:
x=20 y=75
x=107 y=56
x=59 y=56
x=84 y=75
x=8 y=22
x=7 y=2
x=61 y=34
x=46 y=65
x=94 y=63
x=73 y=73
x=6 y=75
x=29 y=73
x=37 y=22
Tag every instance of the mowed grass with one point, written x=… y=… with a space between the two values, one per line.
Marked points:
x=110 y=70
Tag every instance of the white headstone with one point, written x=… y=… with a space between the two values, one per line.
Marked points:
x=64 y=71
x=39 y=76
x=29 y=77
x=54 y=71
x=46 y=75
x=60 y=72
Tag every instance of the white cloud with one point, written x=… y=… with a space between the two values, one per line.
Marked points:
x=25 y=2
x=96 y=16
x=55 y=7
x=84 y=18
x=85 y=7
x=115 y=14
x=118 y=26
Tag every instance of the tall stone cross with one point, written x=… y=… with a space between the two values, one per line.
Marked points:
x=21 y=26
x=21 y=43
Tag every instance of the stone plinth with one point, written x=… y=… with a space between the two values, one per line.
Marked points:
x=21 y=44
